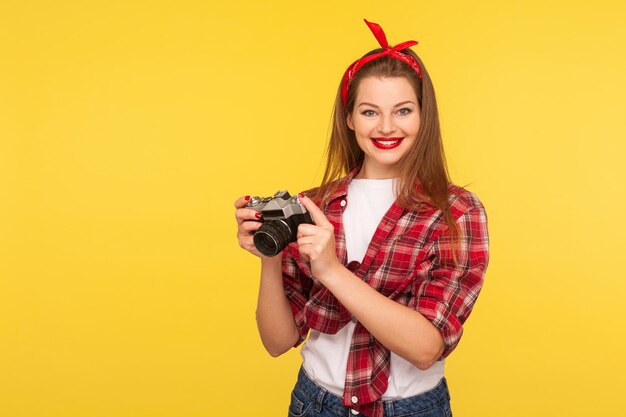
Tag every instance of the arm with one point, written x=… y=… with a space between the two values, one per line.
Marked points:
x=400 y=329
x=447 y=289
x=420 y=333
x=275 y=320
x=274 y=317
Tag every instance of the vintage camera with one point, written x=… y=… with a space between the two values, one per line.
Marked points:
x=282 y=214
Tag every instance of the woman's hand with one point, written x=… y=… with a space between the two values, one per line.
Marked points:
x=317 y=242
x=248 y=221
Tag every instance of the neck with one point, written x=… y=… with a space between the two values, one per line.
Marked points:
x=372 y=174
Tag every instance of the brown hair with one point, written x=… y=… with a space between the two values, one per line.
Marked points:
x=425 y=162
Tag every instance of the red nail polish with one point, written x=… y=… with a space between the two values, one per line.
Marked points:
x=300 y=195
x=258 y=215
x=247 y=198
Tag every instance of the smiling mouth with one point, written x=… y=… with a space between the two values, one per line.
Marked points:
x=386 y=143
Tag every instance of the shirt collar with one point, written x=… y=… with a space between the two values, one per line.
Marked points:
x=342 y=187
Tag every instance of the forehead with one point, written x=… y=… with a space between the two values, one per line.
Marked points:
x=385 y=91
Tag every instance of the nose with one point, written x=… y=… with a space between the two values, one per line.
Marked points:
x=386 y=125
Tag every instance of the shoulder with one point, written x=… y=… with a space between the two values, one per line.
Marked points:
x=463 y=201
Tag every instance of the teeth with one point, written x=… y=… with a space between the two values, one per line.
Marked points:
x=388 y=142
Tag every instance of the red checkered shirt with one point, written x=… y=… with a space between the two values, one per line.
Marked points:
x=409 y=260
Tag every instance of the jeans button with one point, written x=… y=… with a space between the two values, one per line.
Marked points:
x=354 y=412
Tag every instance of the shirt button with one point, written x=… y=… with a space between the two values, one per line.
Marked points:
x=343 y=203
x=354 y=412
x=354 y=399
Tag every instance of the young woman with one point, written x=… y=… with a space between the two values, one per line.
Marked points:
x=384 y=280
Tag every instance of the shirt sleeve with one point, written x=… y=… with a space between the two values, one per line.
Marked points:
x=447 y=290
x=297 y=289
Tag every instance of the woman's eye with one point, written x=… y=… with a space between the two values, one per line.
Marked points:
x=368 y=113
x=405 y=111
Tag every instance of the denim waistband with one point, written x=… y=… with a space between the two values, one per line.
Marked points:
x=421 y=402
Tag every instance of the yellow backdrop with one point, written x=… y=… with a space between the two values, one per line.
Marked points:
x=128 y=128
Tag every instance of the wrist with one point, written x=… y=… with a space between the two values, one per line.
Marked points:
x=332 y=270
x=272 y=260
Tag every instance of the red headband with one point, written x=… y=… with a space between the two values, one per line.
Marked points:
x=392 y=52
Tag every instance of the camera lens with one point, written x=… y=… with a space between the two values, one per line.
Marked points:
x=272 y=237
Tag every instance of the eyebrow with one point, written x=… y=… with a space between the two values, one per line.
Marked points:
x=399 y=104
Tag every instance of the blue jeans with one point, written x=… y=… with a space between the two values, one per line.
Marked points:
x=309 y=399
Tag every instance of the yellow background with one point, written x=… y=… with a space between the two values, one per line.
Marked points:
x=128 y=128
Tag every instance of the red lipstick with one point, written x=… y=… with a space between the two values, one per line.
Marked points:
x=386 y=143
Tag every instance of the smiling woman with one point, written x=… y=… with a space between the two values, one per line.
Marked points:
x=384 y=279
x=385 y=121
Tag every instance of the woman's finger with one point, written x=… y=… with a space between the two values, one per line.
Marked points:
x=305 y=229
x=242 y=201
x=246 y=241
x=306 y=240
x=245 y=214
x=316 y=214
x=249 y=226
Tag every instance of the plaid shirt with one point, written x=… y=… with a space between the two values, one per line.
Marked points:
x=409 y=260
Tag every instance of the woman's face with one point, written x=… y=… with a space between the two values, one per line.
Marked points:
x=385 y=120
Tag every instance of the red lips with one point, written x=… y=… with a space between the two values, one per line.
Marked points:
x=386 y=143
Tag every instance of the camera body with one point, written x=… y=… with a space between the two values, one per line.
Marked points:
x=282 y=214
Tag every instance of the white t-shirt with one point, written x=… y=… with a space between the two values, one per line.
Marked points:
x=325 y=356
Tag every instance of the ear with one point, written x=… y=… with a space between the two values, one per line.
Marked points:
x=349 y=121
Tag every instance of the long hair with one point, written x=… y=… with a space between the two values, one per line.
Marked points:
x=423 y=163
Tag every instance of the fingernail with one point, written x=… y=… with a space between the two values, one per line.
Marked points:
x=247 y=198
x=300 y=195
x=258 y=215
